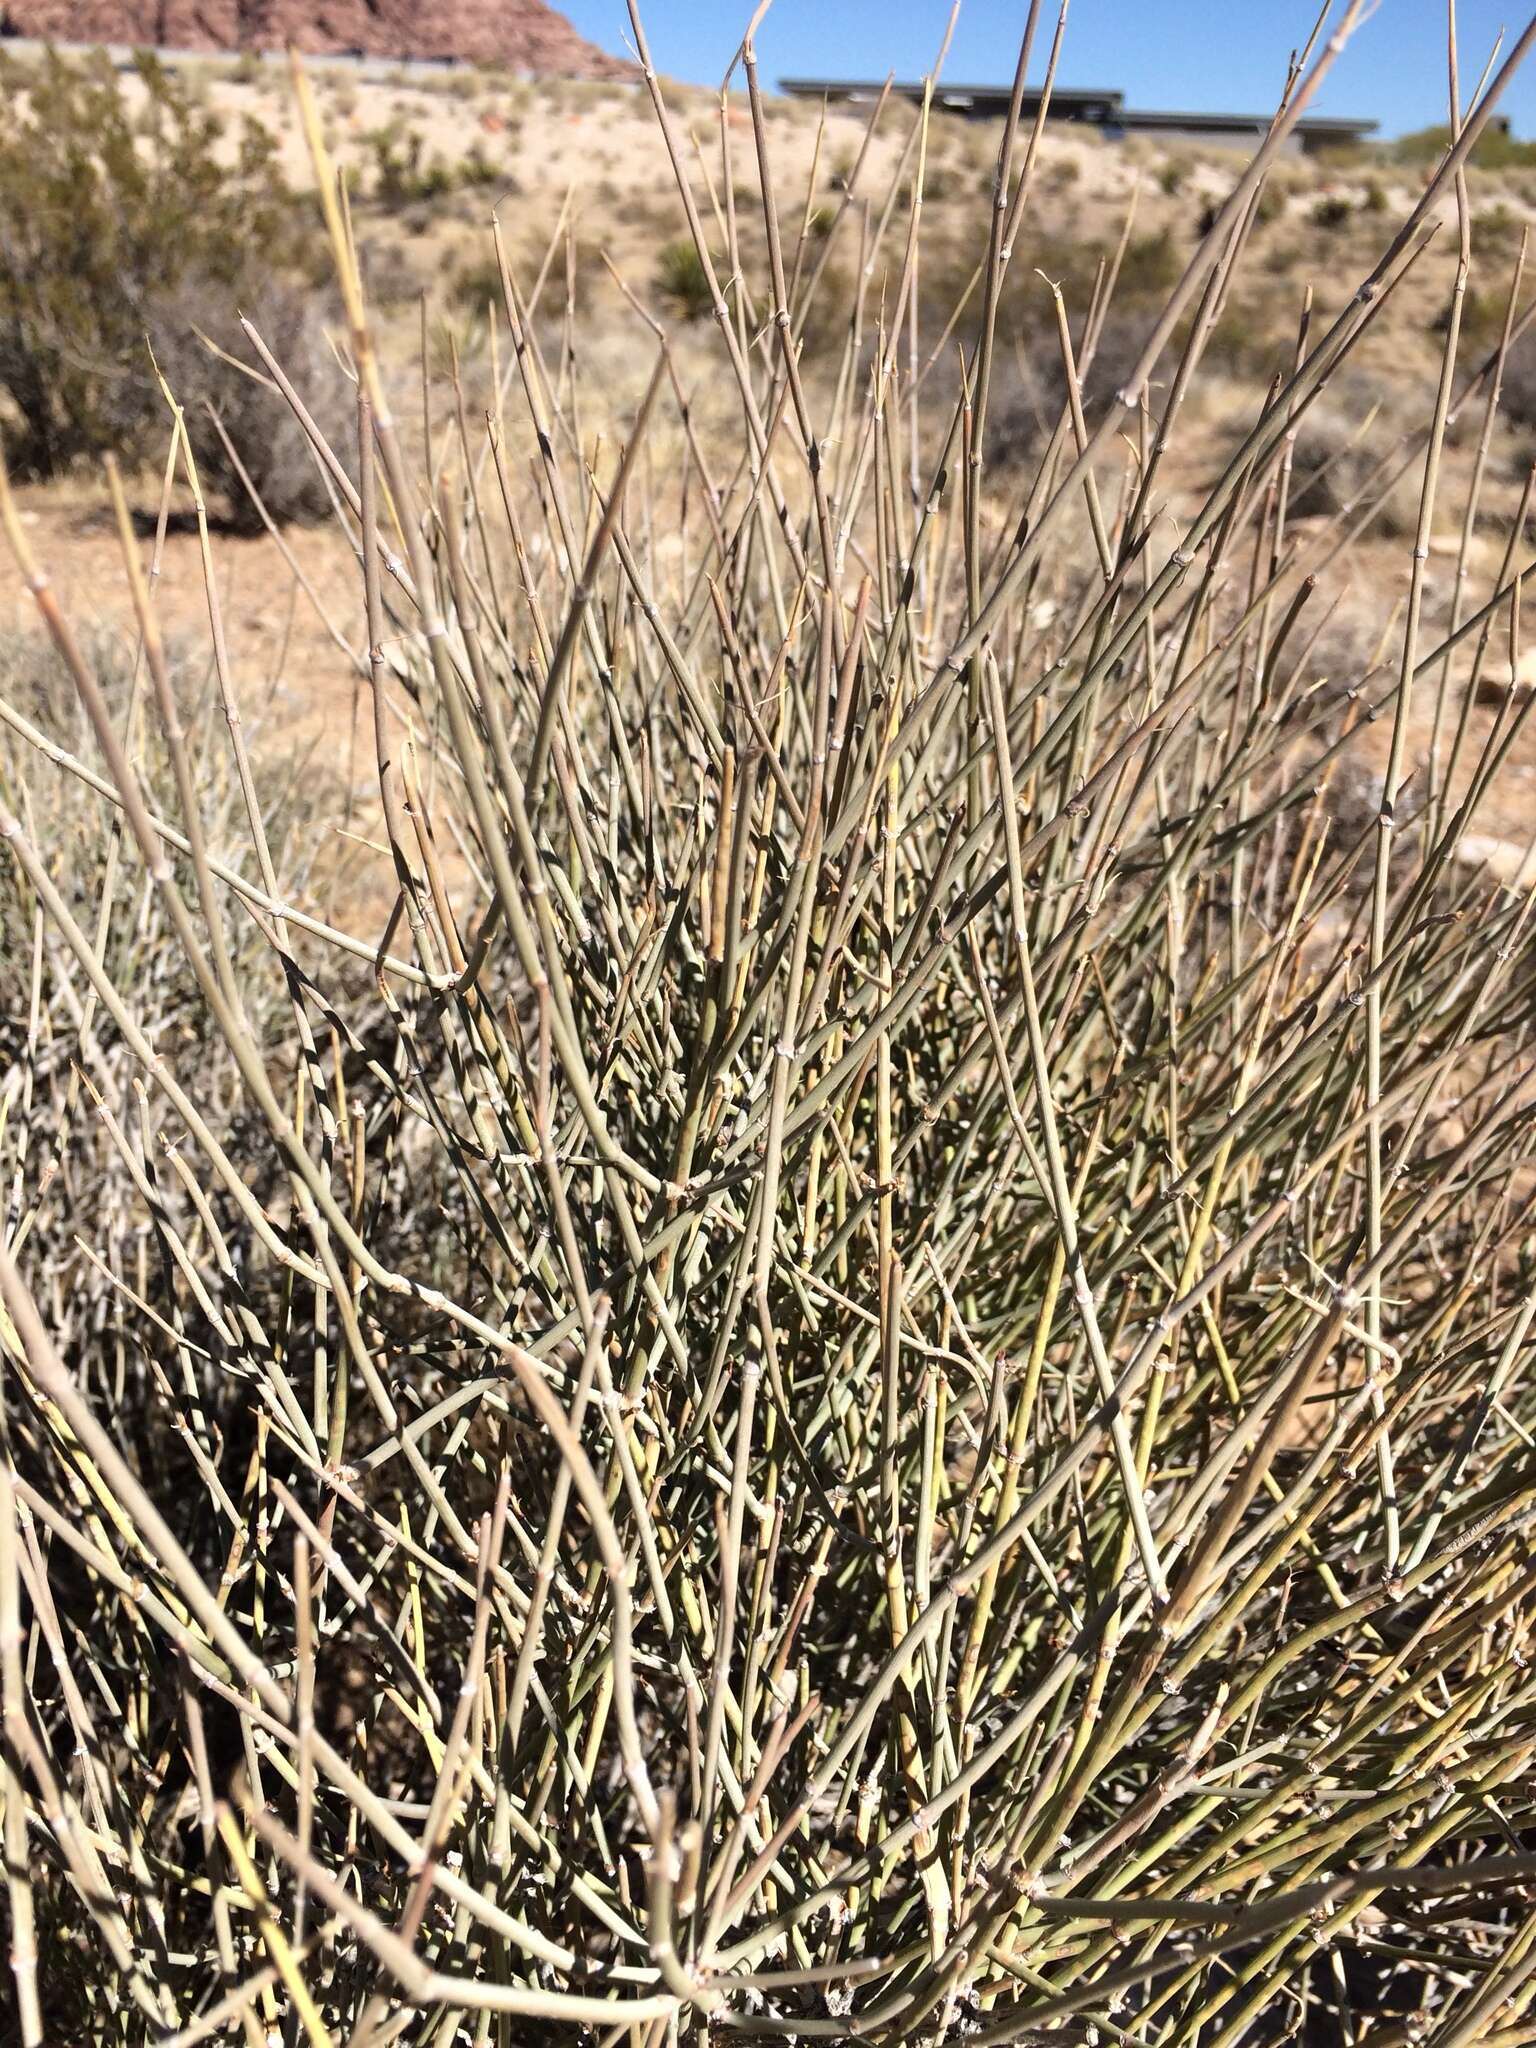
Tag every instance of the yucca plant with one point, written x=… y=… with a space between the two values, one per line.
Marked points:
x=869 y=1376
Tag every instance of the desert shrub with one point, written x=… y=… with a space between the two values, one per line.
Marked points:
x=262 y=445
x=682 y=280
x=391 y=276
x=1030 y=386
x=404 y=174
x=1338 y=159
x=420 y=218
x=1271 y=202
x=825 y=324
x=109 y=218
x=1150 y=267
x=1518 y=385
x=477 y=284
x=575 y=261
x=1347 y=447
x=576 y=265
x=1482 y=317
x=477 y=170
x=1243 y=339
x=866 y=1373
x=1332 y=211
x=79 y=835
x=1269 y=206
x=1496 y=232
x=1025 y=405
x=1495 y=150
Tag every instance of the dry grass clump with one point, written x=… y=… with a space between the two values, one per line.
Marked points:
x=869 y=1376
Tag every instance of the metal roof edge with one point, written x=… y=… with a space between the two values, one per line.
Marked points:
x=1314 y=124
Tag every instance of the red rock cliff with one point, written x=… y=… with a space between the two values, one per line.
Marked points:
x=525 y=35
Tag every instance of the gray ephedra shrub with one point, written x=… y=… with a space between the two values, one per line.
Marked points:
x=869 y=1378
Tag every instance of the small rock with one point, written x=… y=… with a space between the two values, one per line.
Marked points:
x=1496 y=688
x=1508 y=860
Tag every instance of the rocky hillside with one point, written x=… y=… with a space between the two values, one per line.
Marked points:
x=525 y=35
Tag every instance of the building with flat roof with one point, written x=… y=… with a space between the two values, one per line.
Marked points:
x=1104 y=110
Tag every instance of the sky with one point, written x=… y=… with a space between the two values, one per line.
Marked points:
x=1195 y=56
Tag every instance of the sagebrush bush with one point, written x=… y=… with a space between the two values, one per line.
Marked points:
x=867 y=1374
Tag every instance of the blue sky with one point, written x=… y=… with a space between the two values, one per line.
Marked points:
x=1193 y=55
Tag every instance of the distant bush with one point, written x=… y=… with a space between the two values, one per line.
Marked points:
x=477 y=284
x=1518 y=385
x=1331 y=211
x=389 y=275
x=1150 y=267
x=1494 y=150
x=403 y=173
x=1242 y=340
x=544 y=279
x=477 y=168
x=118 y=221
x=1482 y=317
x=1343 y=458
x=682 y=280
x=1268 y=207
x=1495 y=231
x=1030 y=391
x=261 y=435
